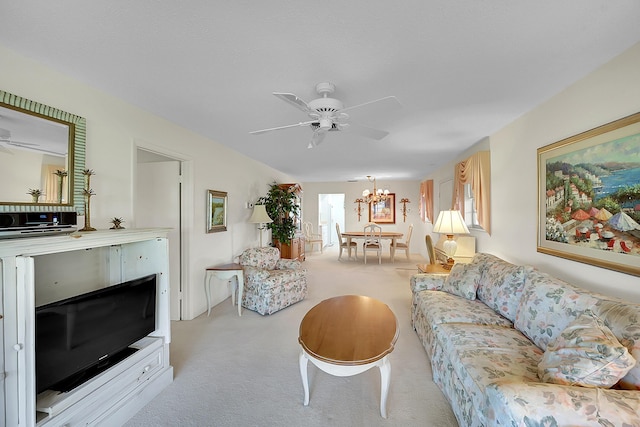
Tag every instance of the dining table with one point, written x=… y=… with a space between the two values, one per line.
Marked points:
x=391 y=235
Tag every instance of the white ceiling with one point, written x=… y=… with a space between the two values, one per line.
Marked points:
x=462 y=69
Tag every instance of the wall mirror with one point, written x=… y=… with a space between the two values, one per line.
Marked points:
x=41 y=155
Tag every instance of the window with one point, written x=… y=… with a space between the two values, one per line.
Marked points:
x=470 y=210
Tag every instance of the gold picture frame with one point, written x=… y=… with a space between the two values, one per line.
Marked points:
x=216 y=211
x=383 y=212
x=589 y=196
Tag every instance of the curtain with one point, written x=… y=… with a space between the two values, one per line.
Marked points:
x=50 y=183
x=476 y=170
x=426 y=201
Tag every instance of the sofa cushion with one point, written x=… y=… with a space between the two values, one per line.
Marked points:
x=623 y=319
x=463 y=280
x=547 y=307
x=587 y=354
x=501 y=284
x=441 y=307
x=543 y=404
x=478 y=356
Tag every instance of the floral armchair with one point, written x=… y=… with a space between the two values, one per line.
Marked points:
x=271 y=283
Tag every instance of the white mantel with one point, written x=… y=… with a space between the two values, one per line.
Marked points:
x=30 y=246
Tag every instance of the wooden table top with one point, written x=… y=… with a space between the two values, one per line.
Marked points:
x=226 y=267
x=436 y=268
x=384 y=234
x=349 y=330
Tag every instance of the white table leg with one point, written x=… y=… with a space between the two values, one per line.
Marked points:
x=303 y=373
x=385 y=379
x=240 y=282
x=226 y=276
x=207 y=290
x=234 y=289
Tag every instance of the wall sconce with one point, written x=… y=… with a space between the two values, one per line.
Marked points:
x=404 y=202
x=359 y=209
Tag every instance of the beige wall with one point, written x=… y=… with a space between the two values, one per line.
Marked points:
x=609 y=93
x=114 y=128
x=352 y=191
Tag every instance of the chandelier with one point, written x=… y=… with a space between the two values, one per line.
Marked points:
x=375 y=196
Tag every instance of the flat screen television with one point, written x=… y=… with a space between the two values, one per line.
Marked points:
x=79 y=337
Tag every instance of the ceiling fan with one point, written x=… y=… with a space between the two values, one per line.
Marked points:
x=6 y=142
x=329 y=114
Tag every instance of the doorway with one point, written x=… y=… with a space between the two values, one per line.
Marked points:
x=158 y=203
x=331 y=211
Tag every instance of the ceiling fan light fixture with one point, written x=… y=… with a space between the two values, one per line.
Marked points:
x=326 y=123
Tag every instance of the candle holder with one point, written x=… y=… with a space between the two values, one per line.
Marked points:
x=88 y=193
x=405 y=210
x=35 y=194
x=359 y=208
x=61 y=174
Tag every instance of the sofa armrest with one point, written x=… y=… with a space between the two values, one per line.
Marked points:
x=255 y=273
x=288 y=264
x=426 y=282
x=519 y=404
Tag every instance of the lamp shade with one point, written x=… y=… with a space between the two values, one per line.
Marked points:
x=450 y=222
x=259 y=215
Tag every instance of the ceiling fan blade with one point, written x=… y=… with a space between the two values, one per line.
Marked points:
x=317 y=138
x=387 y=103
x=20 y=143
x=35 y=147
x=366 y=131
x=257 y=132
x=295 y=101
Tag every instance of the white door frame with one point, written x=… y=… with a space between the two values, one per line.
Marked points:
x=186 y=211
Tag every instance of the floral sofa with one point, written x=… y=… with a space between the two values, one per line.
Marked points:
x=513 y=346
x=271 y=283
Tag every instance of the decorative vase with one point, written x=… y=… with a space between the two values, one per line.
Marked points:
x=35 y=198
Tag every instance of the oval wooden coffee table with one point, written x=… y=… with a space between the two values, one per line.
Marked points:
x=347 y=335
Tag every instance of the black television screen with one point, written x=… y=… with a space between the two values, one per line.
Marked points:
x=78 y=335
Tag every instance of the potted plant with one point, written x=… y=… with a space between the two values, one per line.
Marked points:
x=281 y=203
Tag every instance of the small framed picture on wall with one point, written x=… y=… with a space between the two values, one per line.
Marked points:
x=384 y=211
x=216 y=211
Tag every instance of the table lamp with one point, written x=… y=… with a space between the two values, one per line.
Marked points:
x=450 y=223
x=260 y=216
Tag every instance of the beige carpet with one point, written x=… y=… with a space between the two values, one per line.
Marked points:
x=243 y=371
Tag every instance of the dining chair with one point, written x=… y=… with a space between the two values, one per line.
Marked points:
x=431 y=252
x=405 y=246
x=372 y=241
x=310 y=237
x=345 y=244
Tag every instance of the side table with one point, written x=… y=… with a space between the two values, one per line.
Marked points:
x=225 y=272
x=433 y=269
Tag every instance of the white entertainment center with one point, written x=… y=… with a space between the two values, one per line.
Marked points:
x=39 y=270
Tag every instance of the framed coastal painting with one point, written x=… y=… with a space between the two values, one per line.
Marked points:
x=216 y=211
x=383 y=212
x=589 y=196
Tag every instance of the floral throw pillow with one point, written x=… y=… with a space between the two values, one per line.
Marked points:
x=463 y=280
x=586 y=353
